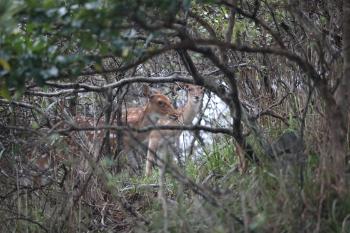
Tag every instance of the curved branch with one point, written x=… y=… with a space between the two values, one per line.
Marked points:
x=257 y=21
x=54 y=94
x=147 y=129
x=204 y=23
x=172 y=78
x=28 y=106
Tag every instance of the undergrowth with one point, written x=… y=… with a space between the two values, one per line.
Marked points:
x=267 y=198
x=270 y=197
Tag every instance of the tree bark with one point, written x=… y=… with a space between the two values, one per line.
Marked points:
x=337 y=112
x=343 y=93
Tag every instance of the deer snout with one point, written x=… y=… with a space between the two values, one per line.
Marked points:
x=196 y=98
x=174 y=116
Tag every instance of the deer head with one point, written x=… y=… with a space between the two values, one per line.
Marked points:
x=194 y=93
x=195 y=96
x=158 y=106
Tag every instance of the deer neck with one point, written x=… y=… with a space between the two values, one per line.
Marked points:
x=148 y=117
x=190 y=110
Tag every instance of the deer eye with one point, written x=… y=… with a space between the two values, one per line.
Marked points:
x=160 y=103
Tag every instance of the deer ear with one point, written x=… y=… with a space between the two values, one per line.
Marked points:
x=183 y=85
x=177 y=86
x=148 y=91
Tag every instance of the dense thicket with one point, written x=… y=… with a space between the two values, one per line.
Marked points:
x=268 y=151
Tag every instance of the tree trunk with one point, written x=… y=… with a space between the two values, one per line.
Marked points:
x=337 y=113
x=343 y=92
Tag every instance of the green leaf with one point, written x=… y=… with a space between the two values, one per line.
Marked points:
x=125 y=52
x=5 y=65
x=4 y=92
x=186 y=4
x=35 y=125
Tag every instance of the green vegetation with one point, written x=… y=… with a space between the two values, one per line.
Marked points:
x=82 y=83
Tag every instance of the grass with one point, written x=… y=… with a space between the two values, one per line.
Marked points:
x=268 y=199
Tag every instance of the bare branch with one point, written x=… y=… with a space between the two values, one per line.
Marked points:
x=28 y=106
x=146 y=129
x=172 y=78
x=204 y=23
x=54 y=94
x=257 y=21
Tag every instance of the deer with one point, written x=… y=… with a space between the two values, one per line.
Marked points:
x=160 y=140
x=158 y=106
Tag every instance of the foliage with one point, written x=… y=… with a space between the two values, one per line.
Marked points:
x=272 y=71
x=267 y=198
x=220 y=158
x=57 y=39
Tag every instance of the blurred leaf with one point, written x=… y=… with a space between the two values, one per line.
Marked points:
x=5 y=65
x=50 y=72
x=4 y=92
x=7 y=10
x=259 y=220
x=125 y=52
x=35 y=125
x=186 y=4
